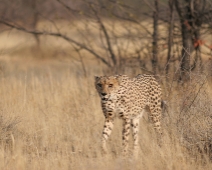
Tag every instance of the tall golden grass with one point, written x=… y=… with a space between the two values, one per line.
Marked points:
x=52 y=119
x=50 y=114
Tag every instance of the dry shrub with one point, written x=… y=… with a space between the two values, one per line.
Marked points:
x=190 y=106
x=8 y=130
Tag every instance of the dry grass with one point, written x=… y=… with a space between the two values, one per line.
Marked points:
x=50 y=115
x=60 y=123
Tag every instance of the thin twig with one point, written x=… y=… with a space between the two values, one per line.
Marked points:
x=194 y=96
x=107 y=38
x=56 y=34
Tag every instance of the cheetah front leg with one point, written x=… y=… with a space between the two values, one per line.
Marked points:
x=125 y=135
x=108 y=126
x=135 y=128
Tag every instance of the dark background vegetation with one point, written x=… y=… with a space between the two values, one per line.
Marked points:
x=185 y=23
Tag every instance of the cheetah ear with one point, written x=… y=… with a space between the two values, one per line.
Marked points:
x=119 y=78
x=96 y=78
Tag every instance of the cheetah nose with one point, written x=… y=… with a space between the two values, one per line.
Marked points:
x=103 y=94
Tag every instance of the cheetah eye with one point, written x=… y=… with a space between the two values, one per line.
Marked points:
x=110 y=85
x=100 y=85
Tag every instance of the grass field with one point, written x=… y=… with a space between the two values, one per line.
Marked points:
x=50 y=117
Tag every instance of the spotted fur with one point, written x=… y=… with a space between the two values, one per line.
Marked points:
x=127 y=99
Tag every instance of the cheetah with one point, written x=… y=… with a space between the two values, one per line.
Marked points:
x=127 y=98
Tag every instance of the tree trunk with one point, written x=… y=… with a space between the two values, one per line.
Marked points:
x=170 y=38
x=187 y=38
x=187 y=49
x=199 y=6
x=155 y=38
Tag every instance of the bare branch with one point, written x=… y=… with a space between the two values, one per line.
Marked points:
x=149 y=5
x=56 y=34
x=107 y=38
x=68 y=7
x=133 y=21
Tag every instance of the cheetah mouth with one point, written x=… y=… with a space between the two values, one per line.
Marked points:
x=108 y=97
x=104 y=98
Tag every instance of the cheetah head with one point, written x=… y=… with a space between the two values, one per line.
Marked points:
x=107 y=86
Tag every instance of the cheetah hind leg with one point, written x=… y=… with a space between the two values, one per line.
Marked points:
x=156 y=116
x=108 y=127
